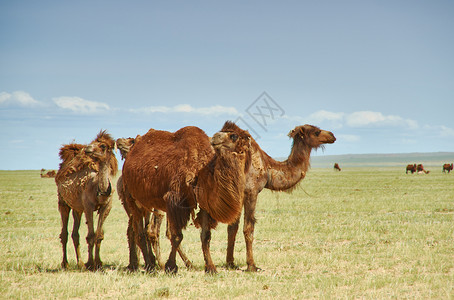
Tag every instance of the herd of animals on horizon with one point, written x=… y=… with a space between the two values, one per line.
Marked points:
x=172 y=174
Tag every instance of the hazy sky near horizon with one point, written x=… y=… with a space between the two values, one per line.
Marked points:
x=378 y=74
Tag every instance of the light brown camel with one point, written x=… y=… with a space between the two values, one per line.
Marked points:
x=84 y=185
x=266 y=172
x=49 y=174
x=151 y=225
x=160 y=173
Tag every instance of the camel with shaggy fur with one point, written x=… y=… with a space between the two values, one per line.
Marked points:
x=151 y=221
x=84 y=185
x=161 y=170
x=265 y=172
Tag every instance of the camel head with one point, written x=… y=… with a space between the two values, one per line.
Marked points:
x=312 y=136
x=124 y=145
x=231 y=137
x=102 y=149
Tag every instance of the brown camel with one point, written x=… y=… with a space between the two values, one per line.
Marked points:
x=411 y=168
x=266 y=172
x=160 y=173
x=150 y=225
x=447 y=167
x=336 y=167
x=420 y=169
x=84 y=185
x=49 y=174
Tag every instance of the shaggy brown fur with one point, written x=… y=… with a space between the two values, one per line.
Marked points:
x=84 y=185
x=160 y=172
x=265 y=172
x=447 y=167
x=151 y=222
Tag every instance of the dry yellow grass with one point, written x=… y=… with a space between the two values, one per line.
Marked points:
x=361 y=233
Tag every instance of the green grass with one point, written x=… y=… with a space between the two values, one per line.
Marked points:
x=361 y=233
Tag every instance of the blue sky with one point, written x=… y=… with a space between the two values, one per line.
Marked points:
x=378 y=74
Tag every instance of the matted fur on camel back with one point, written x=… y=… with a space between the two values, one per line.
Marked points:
x=74 y=158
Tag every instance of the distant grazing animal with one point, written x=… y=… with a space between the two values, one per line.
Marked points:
x=49 y=174
x=151 y=225
x=84 y=184
x=336 y=167
x=161 y=172
x=420 y=169
x=447 y=167
x=411 y=168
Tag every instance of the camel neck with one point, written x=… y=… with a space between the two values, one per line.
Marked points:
x=285 y=175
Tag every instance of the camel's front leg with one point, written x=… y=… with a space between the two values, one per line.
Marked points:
x=232 y=230
x=90 y=239
x=248 y=230
x=64 y=213
x=205 y=237
x=103 y=213
x=76 y=237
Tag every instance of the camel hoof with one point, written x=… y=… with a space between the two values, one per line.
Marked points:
x=232 y=266
x=210 y=270
x=90 y=266
x=171 y=268
x=253 y=268
x=64 y=265
x=132 y=268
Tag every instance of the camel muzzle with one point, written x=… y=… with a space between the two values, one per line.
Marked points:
x=106 y=193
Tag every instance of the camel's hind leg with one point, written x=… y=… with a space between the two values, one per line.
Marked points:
x=103 y=213
x=64 y=213
x=75 y=236
x=180 y=251
x=141 y=240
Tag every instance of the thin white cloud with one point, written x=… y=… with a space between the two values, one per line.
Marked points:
x=19 y=98
x=186 y=108
x=373 y=118
x=323 y=115
x=79 y=105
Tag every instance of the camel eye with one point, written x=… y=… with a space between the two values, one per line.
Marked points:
x=103 y=147
x=317 y=133
x=234 y=137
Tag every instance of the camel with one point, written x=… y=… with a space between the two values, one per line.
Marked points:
x=420 y=169
x=411 y=168
x=150 y=225
x=447 y=167
x=266 y=172
x=161 y=172
x=336 y=167
x=84 y=185
x=49 y=174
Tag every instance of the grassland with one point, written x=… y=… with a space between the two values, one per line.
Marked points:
x=361 y=233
